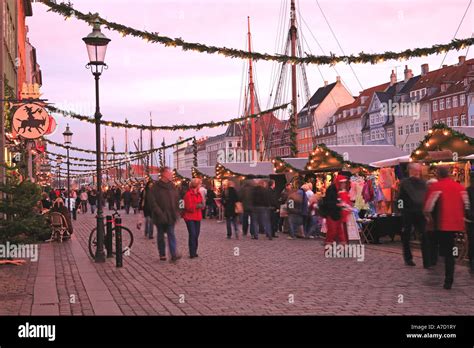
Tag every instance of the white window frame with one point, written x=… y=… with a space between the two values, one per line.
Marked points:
x=441 y=104
x=448 y=121
x=400 y=130
x=448 y=103
x=426 y=126
x=455 y=101
x=455 y=121
x=435 y=105
x=463 y=120
x=462 y=100
x=417 y=128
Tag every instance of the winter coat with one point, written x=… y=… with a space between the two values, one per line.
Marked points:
x=146 y=201
x=261 y=197
x=246 y=195
x=329 y=206
x=229 y=198
x=163 y=203
x=191 y=211
x=452 y=200
x=63 y=210
x=92 y=199
x=127 y=197
x=134 y=198
x=412 y=194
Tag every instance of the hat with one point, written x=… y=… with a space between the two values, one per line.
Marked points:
x=339 y=179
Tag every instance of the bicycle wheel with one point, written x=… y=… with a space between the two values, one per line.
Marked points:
x=127 y=241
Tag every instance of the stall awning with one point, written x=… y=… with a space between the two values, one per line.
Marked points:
x=391 y=162
x=444 y=143
x=336 y=156
x=258 y=169
x=291 y=164
x=204 y=172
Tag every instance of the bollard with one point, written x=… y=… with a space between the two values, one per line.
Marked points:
x=108 y=235
x=118 y=243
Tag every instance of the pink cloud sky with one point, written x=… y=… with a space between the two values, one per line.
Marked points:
x=188 y=87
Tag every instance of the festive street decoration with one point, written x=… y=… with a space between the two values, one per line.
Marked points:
x=67 y=10
x=178 y=178
x=197 y=174
x=448 y=143
x=147 y=152
x=281 y=166
x=195 y=153
x=181 y=127
x=323 y=158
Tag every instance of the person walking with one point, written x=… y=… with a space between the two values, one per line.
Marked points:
x=211 y=203
x=84 y=199
x=411 y=197
x=274 y=207
x=164 y=206
x=332 y=210
x=134 y=199
x=192 y=215
x=110 y=197
x=283 y=225
x=203 y=192
x=453 y=205
x=470 y=224
x=246 y=197
x=146 y=210
x=261 y=204
x=229 y=201
x=297 y=204
x=117 y=197
x=93 y=200
x=127 y=199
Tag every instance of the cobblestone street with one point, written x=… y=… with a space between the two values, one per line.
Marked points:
x=278 y=277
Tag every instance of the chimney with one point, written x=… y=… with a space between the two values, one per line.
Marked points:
x=408 y=73
x=393 y=78
x=445 y=65
x=462 y=59
x=338 y=79
x=424 y=69
x=325 y=83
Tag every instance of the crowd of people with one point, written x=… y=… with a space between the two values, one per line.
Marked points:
x=436 y=209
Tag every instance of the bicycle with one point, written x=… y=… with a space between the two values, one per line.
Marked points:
x=127 y=237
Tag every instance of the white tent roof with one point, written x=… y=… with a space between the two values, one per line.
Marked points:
x=366 y=154
x=390 y=162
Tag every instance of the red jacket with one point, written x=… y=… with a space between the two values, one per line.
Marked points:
x=451 y=200
x=191 y=212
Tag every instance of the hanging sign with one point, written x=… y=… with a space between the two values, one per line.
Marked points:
x=31 y=121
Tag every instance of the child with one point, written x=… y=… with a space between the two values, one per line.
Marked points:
x=316 y=220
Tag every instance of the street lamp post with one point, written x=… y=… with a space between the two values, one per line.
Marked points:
x=96 y=43
x=59 y=160
x=68 y=141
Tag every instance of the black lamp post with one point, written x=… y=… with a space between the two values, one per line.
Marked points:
x=67 y=141
x=96 y=43
x=59 y=160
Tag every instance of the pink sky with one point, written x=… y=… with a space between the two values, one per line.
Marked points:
x=189 y=87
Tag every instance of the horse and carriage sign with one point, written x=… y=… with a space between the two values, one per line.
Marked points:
x=31 y=121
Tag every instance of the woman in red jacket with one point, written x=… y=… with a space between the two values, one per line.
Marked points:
x=192 y=215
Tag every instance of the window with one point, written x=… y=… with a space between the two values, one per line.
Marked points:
x=471 y=120
x=400 y=130
x=448 y=103
x=417 y=128
x=462 y=100
x=463 y=120
x=441 y=120
x=455 y=121
x=412 y=128
x=435 y=106
x=425 y=126
x=390 y=134
x=441 y=104
x=407 y=129
x=238 y=144
x=372 y=135
x=423 y=92
x=435 y=122
x=455 y=101
x=230 y=143
x=448 y=121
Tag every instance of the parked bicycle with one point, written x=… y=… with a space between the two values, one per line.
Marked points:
x=127 y=237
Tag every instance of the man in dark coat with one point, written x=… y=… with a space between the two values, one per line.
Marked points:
x=117 y=197
x=164 y=206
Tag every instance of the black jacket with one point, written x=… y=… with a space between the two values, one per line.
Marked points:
x=163 y=203
x=229 y=198
x=412 y=195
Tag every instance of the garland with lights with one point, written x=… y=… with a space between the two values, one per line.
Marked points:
x=321 y=155
x=67 y=10
x=198 y=174
x=281 y=166
x=115 y=163
x=147 y=152
x=223 y=172
x=195 y=153
x=178 y=178
x=181 y=127
x=441 y=137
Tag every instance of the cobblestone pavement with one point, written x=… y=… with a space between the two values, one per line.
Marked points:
x=241 y=277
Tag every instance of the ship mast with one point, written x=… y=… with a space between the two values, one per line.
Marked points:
x=294 y=93
x=252 y=97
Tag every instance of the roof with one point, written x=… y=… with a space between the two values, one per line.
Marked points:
x=234 y=130
x=296 y=162
x=469 y=131
x=258 y=168
x=362 y=100
x=312 y=103
x=208 y=171
x=185 y=173
x=366 y=154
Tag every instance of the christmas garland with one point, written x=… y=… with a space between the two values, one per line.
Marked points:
x=67 y=10
x=182 y=127
x=178 y=178
x=326 y=152
x=198 y=174
x=147 y=152
x=116 y=162
x=195 y=153
x=438 y=130
x=282 y=166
